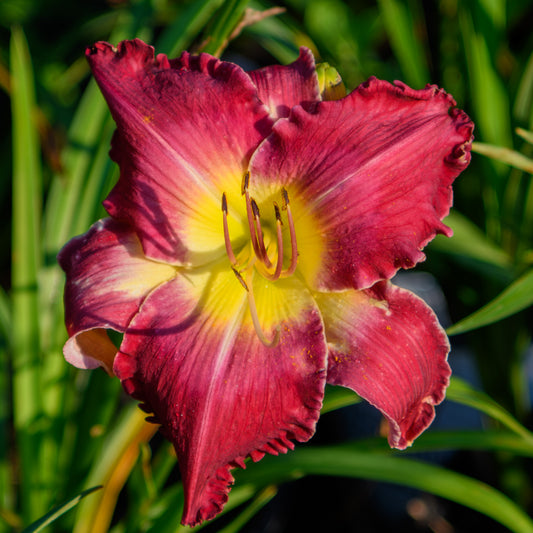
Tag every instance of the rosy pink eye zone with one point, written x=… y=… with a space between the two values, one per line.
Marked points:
x=236 y=312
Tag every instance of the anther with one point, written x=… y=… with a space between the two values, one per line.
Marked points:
x=285 y=196
x=277 y=212
x=224 y=204
x=292 y=231
x=245 y=182
x=227 y=240
x=255 y=208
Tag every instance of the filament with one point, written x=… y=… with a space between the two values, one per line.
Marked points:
x=279 y=236
x=263 y=256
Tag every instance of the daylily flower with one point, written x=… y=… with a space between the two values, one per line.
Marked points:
x=248 y=251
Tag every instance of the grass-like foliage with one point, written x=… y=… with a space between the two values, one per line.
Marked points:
x=64 y=432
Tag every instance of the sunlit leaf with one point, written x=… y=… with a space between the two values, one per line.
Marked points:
x=505 y=155
x=525 y=134
x=461 y=392
x=515 y=298
x=26 y=260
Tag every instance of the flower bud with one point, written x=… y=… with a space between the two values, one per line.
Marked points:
x=330 y=82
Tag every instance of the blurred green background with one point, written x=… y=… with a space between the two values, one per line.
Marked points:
x=63 y=431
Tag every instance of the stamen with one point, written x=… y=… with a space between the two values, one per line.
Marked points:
x=294 y=248
x=227 y=240
x=263 y=256
x=255 y=319
x=260 y=260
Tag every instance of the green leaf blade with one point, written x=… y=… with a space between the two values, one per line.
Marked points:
x=58 y=511
x=26 y=261
x=518 y=296
x=409 y=51
x=339 y=461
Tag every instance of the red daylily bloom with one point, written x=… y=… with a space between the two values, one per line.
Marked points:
x=246 y=260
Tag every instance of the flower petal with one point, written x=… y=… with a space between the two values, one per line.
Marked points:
x=373 y=174
x=193 y=357
x=386 y=344
x=185 y=132
x=107 y=279
x=283 y=87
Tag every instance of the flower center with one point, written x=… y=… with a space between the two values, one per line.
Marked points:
x=260 y=259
